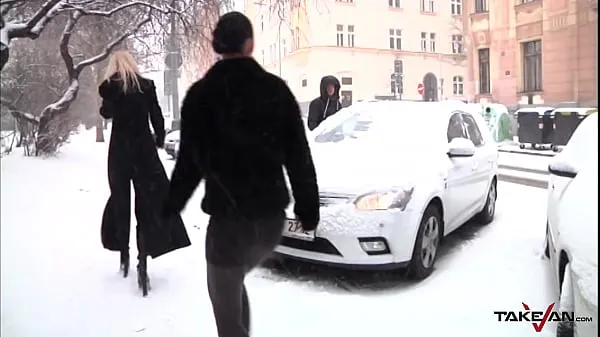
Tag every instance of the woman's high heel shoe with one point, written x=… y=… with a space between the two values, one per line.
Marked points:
x=143 y=281
x=124 y=266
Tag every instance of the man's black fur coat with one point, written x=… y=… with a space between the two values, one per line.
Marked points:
x=240 y=127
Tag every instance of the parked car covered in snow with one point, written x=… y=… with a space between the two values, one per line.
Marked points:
x=172 y=143
x=394 y=179
x=572 y=227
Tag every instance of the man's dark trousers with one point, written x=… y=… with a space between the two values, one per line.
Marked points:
x=233 y=248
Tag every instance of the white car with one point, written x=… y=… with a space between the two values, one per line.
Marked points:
x=172 y=143
x=394 y=179
x=572 y=227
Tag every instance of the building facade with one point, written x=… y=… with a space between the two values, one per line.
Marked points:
x=376 y=48
x=532 y=51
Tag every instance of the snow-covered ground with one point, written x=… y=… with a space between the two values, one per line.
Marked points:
x=57 y=281
x=533 y=162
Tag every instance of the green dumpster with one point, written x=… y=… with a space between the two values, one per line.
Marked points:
x=498 y=120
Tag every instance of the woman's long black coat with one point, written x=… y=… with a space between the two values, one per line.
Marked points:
x=132 y=156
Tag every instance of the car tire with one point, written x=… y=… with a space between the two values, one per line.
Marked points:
x=430 y=233
x=566 y=329
x=547 y=247
x=488 y=212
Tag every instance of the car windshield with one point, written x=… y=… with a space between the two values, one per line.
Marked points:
x=381 y=126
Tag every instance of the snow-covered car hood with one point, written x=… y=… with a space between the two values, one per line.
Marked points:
x=578 y=212
x=356 y=170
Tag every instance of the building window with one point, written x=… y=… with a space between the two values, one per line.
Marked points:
x=423 y=41
x=532 y=66
x=346 y=1
x=293 y=41
x=432 y=42
x=457 y=44
x=262 y=57
x=304 y=83
x=340 y=35
x=346 y=98
x=481 y=6
x=284 y=47
x=456 y=7
x=484 y=70
x=396 y=78
x=262 y=22
x=457 y=85
x=346 y=80
x=396 y=39
x=297 y=35
x=428 y=6
x=350 y=35
x=394 y=3
x=398 y=67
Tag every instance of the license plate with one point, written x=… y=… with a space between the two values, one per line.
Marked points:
x=170 y=147
x=293 y=229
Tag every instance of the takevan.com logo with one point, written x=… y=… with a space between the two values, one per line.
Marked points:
x=539 y=318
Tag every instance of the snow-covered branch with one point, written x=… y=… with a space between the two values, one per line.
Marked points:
x=33 y=27
x=16 y=113
x=106 y=13
x=109 y=47
x=64 y=44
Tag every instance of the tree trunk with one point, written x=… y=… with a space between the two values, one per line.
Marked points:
x=99 y=130
x=100 y=125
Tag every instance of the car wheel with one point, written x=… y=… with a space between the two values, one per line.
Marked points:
x=426 y=244
x=547 y=248
x=486 y=215
x=566 y=328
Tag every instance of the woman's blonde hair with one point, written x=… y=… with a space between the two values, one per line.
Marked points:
x=122 y=63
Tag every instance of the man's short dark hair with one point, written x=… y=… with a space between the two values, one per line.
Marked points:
x=231 y=32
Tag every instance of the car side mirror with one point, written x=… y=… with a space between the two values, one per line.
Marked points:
x=461 y=147
x=562 y=168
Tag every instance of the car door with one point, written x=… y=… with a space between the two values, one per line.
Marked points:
x=459 y=182
x=483 y=161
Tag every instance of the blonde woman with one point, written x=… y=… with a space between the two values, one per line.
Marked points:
x=130 y=100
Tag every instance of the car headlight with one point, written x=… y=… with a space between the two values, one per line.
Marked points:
x=396 y=198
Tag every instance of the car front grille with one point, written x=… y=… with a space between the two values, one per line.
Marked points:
x=329 y=199
x=319 y=245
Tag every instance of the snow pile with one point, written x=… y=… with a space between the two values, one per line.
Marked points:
x=579 y=229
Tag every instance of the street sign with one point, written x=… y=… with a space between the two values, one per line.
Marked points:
x=173 y=60
x=420 y=88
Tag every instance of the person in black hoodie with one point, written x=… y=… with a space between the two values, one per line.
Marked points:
x=240 y=127
x=327 y=104
x=130 y=101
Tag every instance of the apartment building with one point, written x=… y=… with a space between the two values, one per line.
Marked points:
x=532 y=51
x=376 y=48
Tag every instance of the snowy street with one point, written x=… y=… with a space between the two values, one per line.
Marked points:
x=58 y=281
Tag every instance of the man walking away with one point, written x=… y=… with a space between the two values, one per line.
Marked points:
x=325 y=105
x=240 y=127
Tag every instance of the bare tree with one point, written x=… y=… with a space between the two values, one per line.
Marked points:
x=81 y=46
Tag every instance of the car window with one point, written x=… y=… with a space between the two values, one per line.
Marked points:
x=472 y=130
x=456 y=128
